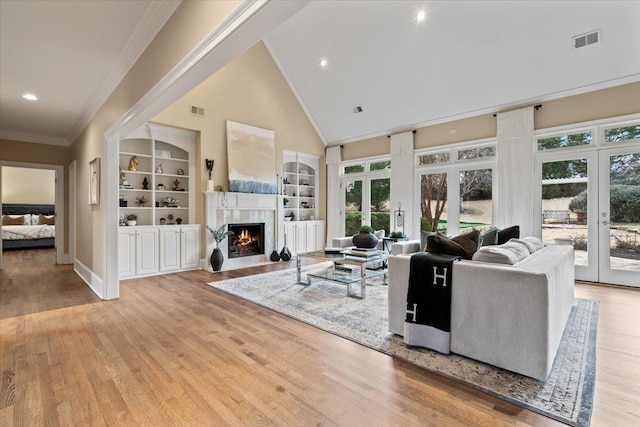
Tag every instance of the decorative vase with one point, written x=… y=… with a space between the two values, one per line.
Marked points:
x=285 y=253
x=217 y=259
x=209 y=185
x=275 y=256
x=365 y=240
x=131 y=223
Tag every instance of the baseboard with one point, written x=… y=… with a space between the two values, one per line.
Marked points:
x=90 y=278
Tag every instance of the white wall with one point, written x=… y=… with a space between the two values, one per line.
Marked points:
x=28 y=186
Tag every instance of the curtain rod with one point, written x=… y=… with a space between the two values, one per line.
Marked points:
x=535 y=107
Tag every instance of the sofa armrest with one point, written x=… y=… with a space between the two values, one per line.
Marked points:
x=405 y=247
x=398 y=285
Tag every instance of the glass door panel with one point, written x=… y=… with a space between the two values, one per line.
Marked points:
x=619 y=216
x=352 y=206
x=475 y=200
x=433 y=202
x=380 y=203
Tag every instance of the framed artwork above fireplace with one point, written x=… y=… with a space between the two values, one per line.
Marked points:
x=252 y=159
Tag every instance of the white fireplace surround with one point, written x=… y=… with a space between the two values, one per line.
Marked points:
x=229 y=208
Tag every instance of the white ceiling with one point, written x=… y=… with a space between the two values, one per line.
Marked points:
x=469 y=57
x=71 y=54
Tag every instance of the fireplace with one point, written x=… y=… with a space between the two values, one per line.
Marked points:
x=247 y=239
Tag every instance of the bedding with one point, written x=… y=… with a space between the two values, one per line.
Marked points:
x=28 y=226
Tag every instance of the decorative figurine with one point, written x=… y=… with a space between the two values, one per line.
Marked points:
x=180 y=172
x=209 y=164
x=159 y=168
x=133 y=164
x=179 y=221
x=176 y=185
x=145 y=184
x=163 y=221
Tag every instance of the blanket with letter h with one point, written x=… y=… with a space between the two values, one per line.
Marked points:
x=428 y=320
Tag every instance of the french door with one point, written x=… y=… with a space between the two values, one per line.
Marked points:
x=366 y=201
x=585 y=201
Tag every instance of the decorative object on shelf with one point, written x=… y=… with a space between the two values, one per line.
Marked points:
x=94 y=181
x=123 y=202
x=142 y=201
x=289 y=217
x=159 y=168
x=121 y=221
x=163 y=221
x=176 y=185
x=145 y=183
x=304 y=205
x=254 y=173
x=217 y=258
x=275 y=256
x=132 y=219
x=285 y=253
x=170 y=218
x=285 y=201
x=160 y=187
x=366 y=238
x=123 y=179
x=399 y=219
x=163 y=153
x=133 y=164
x=170 y=202
x=180 y=172
x=178 y=221
x=209 y=163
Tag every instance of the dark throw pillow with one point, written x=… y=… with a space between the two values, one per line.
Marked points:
x=464 y=245
x=508 y=233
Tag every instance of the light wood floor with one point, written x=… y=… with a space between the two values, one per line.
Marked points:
x=173 y=351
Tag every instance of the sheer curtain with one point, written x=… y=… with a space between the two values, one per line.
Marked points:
x=515 y=170
x=334 y=157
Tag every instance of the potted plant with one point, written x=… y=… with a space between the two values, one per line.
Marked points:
x=219 y=235
x=132 y=219
x=285 y=201
x=397 y=235
x=365 y=238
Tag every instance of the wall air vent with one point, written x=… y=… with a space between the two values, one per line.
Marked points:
x=197 y=111
x=357 y=109
x=583 y=40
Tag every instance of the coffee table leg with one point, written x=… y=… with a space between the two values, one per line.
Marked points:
x=363 y=280
x=299 y=268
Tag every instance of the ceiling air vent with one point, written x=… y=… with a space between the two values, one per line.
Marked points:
x=197 y=111
x=586 y=39
x=357 y=109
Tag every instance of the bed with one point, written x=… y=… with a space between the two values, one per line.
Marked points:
x=36 y=229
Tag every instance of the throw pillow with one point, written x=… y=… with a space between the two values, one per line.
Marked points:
x=12 y=220
x=464 y=245
x=508 y=253
x=489 y=237
x=535 y=242
x=46 y=220
x=508 y=233
x=531 y=245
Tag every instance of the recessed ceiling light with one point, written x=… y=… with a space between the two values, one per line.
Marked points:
x=30 y=97
x=421 y=16
x=323 y=63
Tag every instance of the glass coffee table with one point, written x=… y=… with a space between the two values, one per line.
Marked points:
x=345 y=269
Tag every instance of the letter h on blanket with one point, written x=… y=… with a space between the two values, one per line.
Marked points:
x=428 y=319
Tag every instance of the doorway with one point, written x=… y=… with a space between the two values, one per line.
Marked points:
x=589 y=198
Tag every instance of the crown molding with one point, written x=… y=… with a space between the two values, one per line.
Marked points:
x=32 y=137
x=156 y=15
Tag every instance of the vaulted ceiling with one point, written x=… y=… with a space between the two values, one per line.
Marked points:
x=465 y=58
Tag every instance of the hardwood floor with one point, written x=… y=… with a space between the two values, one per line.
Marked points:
x=173 y=351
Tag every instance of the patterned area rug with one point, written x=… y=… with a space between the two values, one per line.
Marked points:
x=566 y=396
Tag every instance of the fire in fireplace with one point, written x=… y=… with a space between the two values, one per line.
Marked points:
x=246 y=240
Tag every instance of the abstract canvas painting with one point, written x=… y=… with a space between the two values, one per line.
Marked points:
x=252 y=159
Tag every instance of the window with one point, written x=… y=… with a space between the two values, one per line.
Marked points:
x=477 y=153
x=622 y=133
x=430 y=159
x=563 y=141
x=354 y=169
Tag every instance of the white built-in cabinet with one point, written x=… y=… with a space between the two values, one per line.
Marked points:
x=304 y=236
x=165 y=163
x=179 y=248
x=137 y=251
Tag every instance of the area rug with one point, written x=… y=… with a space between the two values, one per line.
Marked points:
x=566 y=396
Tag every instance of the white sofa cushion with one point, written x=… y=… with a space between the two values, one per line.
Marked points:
x=532 y=243
x=507 y=253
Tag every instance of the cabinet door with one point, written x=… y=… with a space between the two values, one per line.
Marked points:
x=320 y=235
x=189 y=247
x=301 y=237
x=312 y=236
x=147 y=251
x=290 y=236
x=126 y=253
x=169 y=249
